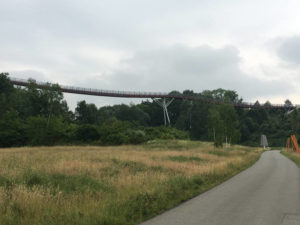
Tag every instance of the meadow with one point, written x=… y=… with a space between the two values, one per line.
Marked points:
x=110 y=185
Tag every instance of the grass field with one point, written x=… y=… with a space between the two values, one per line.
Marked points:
x=110 y=185
x=292 y=155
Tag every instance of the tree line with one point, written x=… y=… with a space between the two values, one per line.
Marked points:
x=33 y=116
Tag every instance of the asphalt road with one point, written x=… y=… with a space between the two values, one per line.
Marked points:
x=268 y=193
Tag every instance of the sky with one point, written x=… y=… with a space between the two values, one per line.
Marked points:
x=252 y=47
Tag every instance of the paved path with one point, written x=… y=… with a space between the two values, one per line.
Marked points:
x=268 y=193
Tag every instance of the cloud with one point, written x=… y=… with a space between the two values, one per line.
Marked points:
x=180 y=67
x=176 y=67
x=152 y=45
x=289 y=50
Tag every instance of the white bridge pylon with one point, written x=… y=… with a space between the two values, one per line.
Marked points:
x=164 y=104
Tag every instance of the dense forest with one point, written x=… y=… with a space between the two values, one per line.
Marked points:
x=32 y=116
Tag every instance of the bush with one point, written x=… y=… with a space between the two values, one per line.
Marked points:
x=165 y=133
x=11 y=130
x=87 y=133
x=114 y=133
x=114 y=139
x=136 y=136
x=118 y=132
x=46 y=131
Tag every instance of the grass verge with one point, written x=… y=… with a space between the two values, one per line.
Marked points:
x=110 y=185
x=294 y=156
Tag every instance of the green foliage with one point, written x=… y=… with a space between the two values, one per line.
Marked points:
x=114 y=133
x=165 y=133
x=44 y=102
x=5 y=86
x=33 y=116
x=86 y=113
x=215 y=127
x=221 y=95
x=45 y=131
x=87 y=133
x=131 y=113
x=231 y=123
x=136 y=136
x=11 y=130
x=199 y=114
x=118 y=132
x=6 y=90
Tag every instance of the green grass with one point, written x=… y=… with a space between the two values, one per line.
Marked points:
x=294 y=156
x=67 y=184
x=181 y=158
x=219 y=152
x=178 y=145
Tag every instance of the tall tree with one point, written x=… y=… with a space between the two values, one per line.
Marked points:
x=86 y=113
x=288 y=103
x=215 y=127
x=131 y=113
x=6 y=90
x=47 y=101
x=231 y=123
x=199 y=115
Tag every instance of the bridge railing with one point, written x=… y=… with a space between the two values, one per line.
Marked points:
x=135 y=94
x=67 y=87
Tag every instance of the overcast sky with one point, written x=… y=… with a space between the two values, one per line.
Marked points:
x=252 y=47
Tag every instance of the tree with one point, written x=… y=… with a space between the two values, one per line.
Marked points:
x=294 y=119
x=231 y=123
x=87 y=133
x=267 y=104
x=184 y=121
x=188 y=93
x=6 y=90
x=86 y=113
x=215 y=127
x=131 y=113
x=174 y=109
x=222 y=95
x=46 y=101
x=41 y=131
x=257 y=104
x=199 y=113
x=288 y=103
x=154 y=111
x=5 y=85
x=11 y=130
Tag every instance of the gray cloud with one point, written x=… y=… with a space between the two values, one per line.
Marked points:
x=146 y=45
x=176 y=67
x=180 y=67
x=289 y=50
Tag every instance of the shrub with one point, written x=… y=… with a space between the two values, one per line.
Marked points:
x=46 y=131
x=165 y=133
x=11 y=130
x=87 y=133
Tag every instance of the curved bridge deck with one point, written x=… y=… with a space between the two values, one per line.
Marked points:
x=133 y=94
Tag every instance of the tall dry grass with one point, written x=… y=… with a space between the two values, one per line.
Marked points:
x=110 y=185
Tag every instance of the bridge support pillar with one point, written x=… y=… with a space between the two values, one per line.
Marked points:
x=164 y=104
